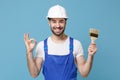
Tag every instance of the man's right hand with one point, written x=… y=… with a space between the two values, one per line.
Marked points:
x=30 y=43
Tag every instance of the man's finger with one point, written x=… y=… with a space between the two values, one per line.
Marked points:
x=33 y=41
x=26 y=36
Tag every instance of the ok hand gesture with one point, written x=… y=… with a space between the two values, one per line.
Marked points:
x=30 y=43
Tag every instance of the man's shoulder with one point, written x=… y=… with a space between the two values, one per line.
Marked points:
x=42 y=41
x=75 y=40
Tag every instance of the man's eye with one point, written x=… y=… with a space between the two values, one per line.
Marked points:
x=61 y=21
x=54 y=21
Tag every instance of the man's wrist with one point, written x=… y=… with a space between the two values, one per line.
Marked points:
x=90 y=55
x=28 y=51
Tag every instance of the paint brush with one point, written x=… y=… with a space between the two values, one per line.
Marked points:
x=93 y=34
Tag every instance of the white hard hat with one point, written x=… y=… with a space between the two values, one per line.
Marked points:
x=57 y=11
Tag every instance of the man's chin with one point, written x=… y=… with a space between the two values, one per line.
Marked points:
x=57 y=34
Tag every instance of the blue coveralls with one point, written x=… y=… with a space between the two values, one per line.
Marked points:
x=57 y=67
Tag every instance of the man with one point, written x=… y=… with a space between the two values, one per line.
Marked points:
x=59 y=55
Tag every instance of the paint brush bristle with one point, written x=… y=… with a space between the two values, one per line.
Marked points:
x=93 y=34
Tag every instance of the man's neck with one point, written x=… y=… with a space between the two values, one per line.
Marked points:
x=59 y=39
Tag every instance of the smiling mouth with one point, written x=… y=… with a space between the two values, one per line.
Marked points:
x=57 y=30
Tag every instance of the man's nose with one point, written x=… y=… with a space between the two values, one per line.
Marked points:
x=57 y=24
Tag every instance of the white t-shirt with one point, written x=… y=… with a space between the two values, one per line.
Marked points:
x=59 y=49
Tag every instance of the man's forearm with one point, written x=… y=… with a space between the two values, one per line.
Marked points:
x=88 y=65
x=89 y=62
x=32 y=65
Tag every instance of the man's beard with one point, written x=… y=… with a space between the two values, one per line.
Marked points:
x=59 y=33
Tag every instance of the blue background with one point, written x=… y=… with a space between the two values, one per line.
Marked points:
x=20 y=16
